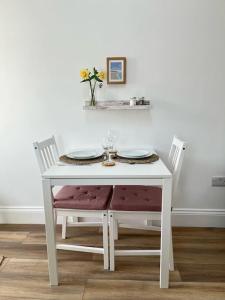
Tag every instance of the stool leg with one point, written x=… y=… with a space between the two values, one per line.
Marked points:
x=116 y=228
x=64 y=225
x=171 y=265
x=55 y=217
x=111 y=242
x=105 y=240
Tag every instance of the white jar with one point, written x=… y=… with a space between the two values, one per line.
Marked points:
x=133 y=101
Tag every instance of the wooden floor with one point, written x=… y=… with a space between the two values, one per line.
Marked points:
x=199 y=266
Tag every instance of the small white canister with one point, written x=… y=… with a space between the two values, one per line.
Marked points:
x=133 y=101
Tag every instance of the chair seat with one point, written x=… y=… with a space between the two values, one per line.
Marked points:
x=83 y=197
x=136 y=198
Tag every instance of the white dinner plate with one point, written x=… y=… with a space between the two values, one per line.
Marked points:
x=85 y=153
x=134 y=153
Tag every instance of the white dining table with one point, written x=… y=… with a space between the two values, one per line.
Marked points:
x=155 y=174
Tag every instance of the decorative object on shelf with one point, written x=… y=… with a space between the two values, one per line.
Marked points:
x=116 y=70
x=141 y=101
x=92 y=78
x=116 y=105
x=133 y=101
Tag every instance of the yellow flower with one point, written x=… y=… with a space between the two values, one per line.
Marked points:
x=84 y=73
x=101 y=75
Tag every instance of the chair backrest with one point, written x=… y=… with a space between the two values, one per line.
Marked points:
x=176 y=156
x=47 y=153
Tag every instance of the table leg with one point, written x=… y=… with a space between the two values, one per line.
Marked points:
x=165 y=233
x=50 y=232
x=111 y=242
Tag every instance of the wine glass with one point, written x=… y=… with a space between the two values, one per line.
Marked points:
x=108 y=143
x=107 y=146
x=112 y=137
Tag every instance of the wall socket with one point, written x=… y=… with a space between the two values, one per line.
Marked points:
x=218 y=181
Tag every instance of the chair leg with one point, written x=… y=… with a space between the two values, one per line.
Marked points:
x=64 y=225
x=111 y=242
x=171 y=265
x=105 y=240
x=116 y=228
x=55 y=217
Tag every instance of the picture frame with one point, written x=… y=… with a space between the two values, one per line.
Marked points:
x=116 y=70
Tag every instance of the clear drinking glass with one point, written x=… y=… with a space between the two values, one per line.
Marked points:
x=112 y=137
x=107 y=146
x=108 y=143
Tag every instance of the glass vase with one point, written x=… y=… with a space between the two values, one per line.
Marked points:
x=92 y=101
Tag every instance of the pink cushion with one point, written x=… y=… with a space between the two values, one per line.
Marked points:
x=83 y=197
x=136 y=198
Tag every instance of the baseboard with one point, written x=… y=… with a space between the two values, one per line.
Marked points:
x=194 y=217
x=190 y=217
x=22 y=215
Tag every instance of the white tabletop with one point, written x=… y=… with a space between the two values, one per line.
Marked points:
x=121 y=170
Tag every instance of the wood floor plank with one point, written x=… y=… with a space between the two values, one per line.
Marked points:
x=199 y=266
x=202 y=272
x=30 y=289
x=16 y=236
x=142 y=290
x=83 y=269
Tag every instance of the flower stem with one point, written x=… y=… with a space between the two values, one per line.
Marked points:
x=92 y=93
x=90 y=87
x=94 y=87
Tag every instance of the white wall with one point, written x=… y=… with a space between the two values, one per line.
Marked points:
x=175 y=51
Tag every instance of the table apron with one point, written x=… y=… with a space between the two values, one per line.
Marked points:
x=106 y=181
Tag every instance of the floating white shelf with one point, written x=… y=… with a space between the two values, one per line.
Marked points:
x=115 y=105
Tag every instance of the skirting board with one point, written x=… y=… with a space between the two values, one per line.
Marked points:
x=186 y=217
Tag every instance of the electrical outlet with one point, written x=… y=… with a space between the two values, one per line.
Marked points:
x=218 y=181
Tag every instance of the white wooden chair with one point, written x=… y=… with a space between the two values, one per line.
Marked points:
x=47 y=155
x=116 y=217
x=66 y=205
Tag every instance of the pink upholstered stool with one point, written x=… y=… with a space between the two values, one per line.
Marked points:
x=83 y=197
x=142 y=202
x=136 y=198
x=85 y=202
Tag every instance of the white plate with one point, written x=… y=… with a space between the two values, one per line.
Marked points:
x=134 y=153
x=85 y=153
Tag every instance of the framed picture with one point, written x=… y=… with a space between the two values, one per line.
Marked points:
x=116 y=70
